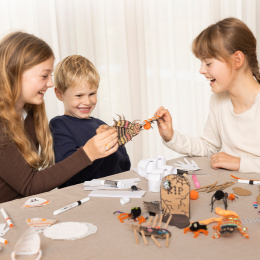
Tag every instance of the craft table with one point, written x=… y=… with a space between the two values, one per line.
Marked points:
x=115 y=240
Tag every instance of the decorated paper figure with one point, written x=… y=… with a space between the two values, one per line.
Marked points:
x=127 y=130
x=175 y=200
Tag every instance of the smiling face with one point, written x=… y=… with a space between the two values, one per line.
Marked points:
x=79 y=101
x=34 y=84
x=219 y=73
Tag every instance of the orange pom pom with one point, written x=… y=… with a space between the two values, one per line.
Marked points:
x=194 y=194
x=147 y=126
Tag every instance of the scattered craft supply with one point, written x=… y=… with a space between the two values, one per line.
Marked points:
x=255 y=205
x=152 y=207
x=241 y=192
x=124 y=200
x=194 y=194
x=250 y=221
x=232 y=197
x=218 y=195
x=228 y=223
x=240 y=180
x=115 y=194
x=196 y=228
x=153 y=231
x=36 y=202
x=135 y=213
x=188 y=166
x=3 y=240
x=147 y=123
x=70 y=230
x=175 y=200
x=258 y=197
x=28 y=244
x=196 y=181
x=40 y=224
x=134 y=188
x=6 y=217
x=214 y=187
x=73 y=205
x=110 y=184
x=3 y=229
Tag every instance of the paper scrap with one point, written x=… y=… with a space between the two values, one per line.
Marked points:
x=117 y=194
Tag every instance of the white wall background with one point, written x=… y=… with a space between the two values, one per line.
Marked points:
x=142 y=50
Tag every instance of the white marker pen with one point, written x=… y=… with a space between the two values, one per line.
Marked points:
x=6 y=217
x=249 y=182
x=73 y=205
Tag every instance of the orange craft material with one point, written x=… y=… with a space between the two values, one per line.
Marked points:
x=194 y=194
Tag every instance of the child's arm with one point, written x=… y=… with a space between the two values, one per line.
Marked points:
x=95 y=147
x=165 y=124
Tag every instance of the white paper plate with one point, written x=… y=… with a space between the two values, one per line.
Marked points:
x=70 y=230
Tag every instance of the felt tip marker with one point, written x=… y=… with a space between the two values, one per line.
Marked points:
x=73 y=205
x=249 y=182
x=6 y=217
x=195 y=180
x=3 y=240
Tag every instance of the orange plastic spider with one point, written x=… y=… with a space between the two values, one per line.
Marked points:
x=196 y=228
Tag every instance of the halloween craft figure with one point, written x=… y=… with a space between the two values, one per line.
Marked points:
x=127 y=130
x=154 y=231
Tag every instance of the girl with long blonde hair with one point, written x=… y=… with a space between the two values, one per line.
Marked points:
x=26 y=146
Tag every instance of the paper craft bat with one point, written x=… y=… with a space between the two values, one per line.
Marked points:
x=127 y=130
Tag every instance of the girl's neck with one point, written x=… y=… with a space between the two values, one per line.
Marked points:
x=244 y=93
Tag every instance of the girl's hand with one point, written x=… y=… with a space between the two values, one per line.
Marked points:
x=102 y=144
x=164 y=124
x=226 y=161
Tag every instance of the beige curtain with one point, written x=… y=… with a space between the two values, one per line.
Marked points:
x=142 y=50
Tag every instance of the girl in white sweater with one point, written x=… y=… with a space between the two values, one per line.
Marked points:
x=231 y=136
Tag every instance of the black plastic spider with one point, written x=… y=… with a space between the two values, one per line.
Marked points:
x=134 y=188
x=219 y=194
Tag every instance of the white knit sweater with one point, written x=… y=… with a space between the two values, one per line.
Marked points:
x=225 y=131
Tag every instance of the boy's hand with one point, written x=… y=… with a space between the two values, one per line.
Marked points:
x=165 y=125
x=225 y=161
x=102 y=144
x=102 y=128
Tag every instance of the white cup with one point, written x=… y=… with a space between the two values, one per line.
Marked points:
x=154 y=182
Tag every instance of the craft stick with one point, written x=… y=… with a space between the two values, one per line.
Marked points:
x=155 y=241
x=150 y=220
x=144 y=238
x=167 y=240
x=155 y=220
x=160 y=221
x=136 y=237
x=168 y=221
x=207 y=186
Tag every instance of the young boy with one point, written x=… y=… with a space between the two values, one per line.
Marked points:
x=76 y=84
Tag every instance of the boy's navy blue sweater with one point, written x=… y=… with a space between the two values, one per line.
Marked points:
x=70 y=133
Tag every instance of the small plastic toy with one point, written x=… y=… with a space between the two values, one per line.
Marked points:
x=196 y=228
x=135 y=214
x=218 y=195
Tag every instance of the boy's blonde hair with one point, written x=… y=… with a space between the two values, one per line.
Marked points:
x=73 y=70
x=224 y=38
x=19 y=52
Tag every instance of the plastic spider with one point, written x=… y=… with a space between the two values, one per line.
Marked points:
x=134 y=188
x=219 y=194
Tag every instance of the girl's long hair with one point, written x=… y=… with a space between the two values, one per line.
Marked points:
x=223 y=39
x=19 y=52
